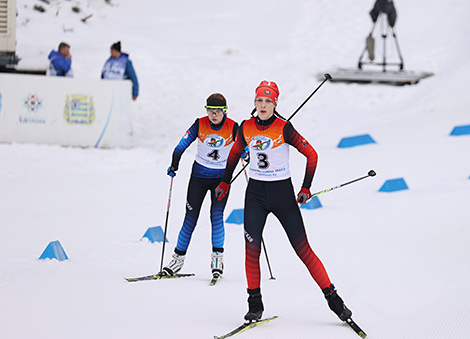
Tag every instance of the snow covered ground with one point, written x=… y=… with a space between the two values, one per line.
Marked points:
x=399 y=260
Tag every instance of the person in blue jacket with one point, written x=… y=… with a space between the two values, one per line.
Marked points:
x=61 y=61
x=119 y=67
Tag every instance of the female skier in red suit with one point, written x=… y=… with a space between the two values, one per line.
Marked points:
x=270 y=190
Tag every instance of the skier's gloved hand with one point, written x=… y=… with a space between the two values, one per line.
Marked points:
x=303 y=196
x=172 y=171
x=246 y=154
x=221 y=190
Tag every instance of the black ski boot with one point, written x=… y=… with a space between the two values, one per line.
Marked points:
x=255 y=306
x=336 y=303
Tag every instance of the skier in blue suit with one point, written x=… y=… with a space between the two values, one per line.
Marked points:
x=215 y=135
x=119 y=67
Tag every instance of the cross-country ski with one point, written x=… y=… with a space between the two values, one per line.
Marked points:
x=356 y=328
x=159 y=276
x=245 y=326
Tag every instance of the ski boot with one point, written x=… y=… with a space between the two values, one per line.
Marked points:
x=336 y=304
x=175 y=264
x=255 y=306
x=217 y=261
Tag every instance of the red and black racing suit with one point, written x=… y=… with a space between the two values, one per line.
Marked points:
x=266 y=194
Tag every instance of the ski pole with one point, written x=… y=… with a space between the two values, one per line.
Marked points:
x=240 y=172
x=262 y=242
x=166 y=223
x=267 y=259
x=327 y=77
x=371 y=173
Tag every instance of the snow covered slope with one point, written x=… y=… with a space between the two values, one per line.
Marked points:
x=399 y=260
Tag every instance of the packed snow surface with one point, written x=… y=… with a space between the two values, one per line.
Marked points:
x=398 y=259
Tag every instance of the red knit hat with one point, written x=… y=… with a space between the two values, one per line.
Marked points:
x=267 y=89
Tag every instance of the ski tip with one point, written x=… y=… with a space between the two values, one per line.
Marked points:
x=215 y=278
x=356 y=328
x=361 y=334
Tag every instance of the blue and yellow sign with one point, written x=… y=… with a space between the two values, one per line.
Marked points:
x=79 y=109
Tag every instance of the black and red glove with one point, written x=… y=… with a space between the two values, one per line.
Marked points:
x=221 y=190
x=303 y=196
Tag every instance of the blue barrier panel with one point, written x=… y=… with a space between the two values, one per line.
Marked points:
x=461 y=130
x=356 y=141
x=394 y=185
x=236 y=217
x=54 y=251
x=155 y=234
x=312 y=204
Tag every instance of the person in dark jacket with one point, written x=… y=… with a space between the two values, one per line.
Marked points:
x=386 y=7
x=119 y=67
x=61 y=61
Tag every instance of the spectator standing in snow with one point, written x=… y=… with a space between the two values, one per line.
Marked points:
x=270 y=190
x=215 y=135
x=119 y=67
x=61 y=61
